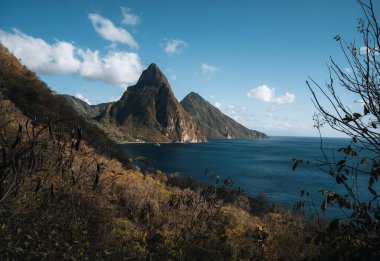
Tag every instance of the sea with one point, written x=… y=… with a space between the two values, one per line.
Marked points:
x=259 y=167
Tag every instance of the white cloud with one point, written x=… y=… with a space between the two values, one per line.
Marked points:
x=80 y=96
x=230 y=107
x=129 y=18
x=40 y=56
x=175 y=46
x=287 y=98
x=118 y=68
x=209 y=69
x=218 y=105
x=265 y=94
x=106 y=29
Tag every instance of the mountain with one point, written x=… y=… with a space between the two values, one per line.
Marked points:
x=215 y=124
x=37 y=101
x=83 y=108
x=149 y=111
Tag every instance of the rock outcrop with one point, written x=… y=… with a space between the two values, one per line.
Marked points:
x=149 y=111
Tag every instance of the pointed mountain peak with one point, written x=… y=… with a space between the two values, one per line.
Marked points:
x=153 y=67
x=193 y=95
x=152 y=76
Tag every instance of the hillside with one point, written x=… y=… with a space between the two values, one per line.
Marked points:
x=37 y=101
x=214 y=123
x=87 y=206
x=84 y=109
x=149 y=111
x=63 y=198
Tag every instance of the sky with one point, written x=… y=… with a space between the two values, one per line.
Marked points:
x=248 y=58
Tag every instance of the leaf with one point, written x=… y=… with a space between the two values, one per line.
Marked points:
x=372 y=191
x=341 y=162
x=52 y=190
x=295 y=164
x=364 y=160
x=357 y=115
x=337 y=38
x=366 y=109
x=38 y=186
x=339 y=179
x=96 y=181
x=323 y=206
x=50 y=130
x=371 y=181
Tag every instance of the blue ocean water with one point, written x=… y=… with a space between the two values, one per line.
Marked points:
x=257 y=166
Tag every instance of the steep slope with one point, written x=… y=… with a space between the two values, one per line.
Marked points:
x=215 y=124
x=37 y=101
x=83 y=108
x=149 y=111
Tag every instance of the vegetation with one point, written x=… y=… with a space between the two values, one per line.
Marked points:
x=38 y=102
x=64 y=195
x=357 y=236
x=60 y=199
x=67 y=193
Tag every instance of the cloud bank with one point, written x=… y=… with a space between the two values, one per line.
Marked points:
x=118 y=68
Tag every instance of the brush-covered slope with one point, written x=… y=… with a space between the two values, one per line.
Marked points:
x=37 y=101
x=149 y=111
x=83 y=108
x=215 y=124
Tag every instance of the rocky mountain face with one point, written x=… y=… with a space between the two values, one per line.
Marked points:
x=149 y=111
x=215 y=124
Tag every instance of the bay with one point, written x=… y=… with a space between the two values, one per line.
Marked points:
x=257 y=166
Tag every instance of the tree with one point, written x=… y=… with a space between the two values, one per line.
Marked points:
x=359 y=236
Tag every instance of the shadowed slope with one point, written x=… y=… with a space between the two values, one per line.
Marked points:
x=214 y=123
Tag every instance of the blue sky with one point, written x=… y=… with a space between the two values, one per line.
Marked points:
x=249 y=58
